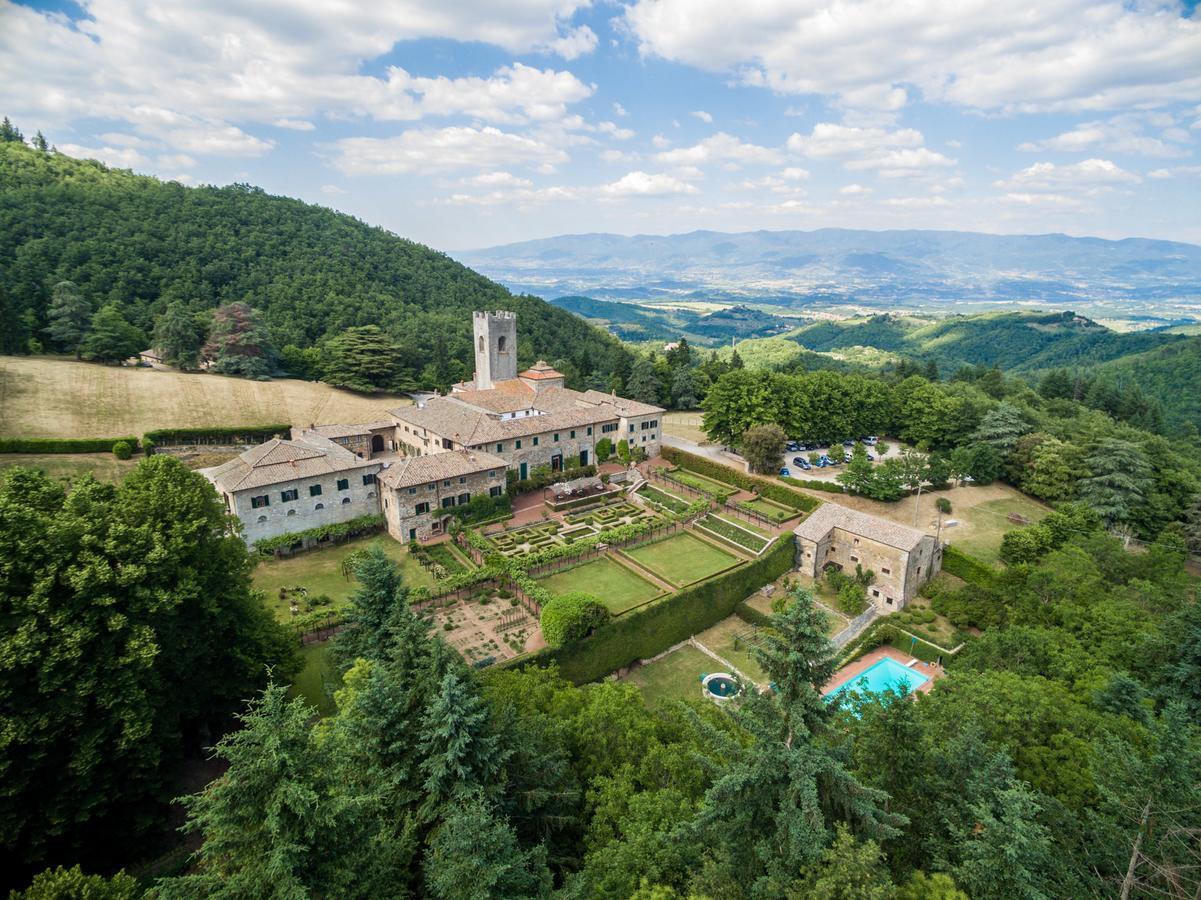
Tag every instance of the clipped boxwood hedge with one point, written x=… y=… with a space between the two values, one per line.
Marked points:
x=813 y=484
x=335 y=531
x=642 y=633
x=64 y=445
x=765 y=488
x=972 y=570
x=233 y=434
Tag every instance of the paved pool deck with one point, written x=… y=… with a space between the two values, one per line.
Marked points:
x=856 y=668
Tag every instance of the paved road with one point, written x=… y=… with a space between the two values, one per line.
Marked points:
x=710 y=451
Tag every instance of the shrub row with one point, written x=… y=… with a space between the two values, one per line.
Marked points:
x=764 y=488
x=830 y=487
x=642 y=633
x=234 y=434
x=733 y=534
x=334 y=532
x=481 y=508
x=64 y=445
x=970 y=569
x=752 y=616
x=541 y=476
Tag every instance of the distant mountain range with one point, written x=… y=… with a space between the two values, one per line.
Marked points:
x=802 y=270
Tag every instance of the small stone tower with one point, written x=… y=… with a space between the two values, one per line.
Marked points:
x=495 y=335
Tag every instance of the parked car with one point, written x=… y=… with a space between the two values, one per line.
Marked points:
x=848 y=443
x=784 y=473
x=803 y=463
x=846 y=457
x=870 y=458
x=792 y=446
x=823 y=462
x=871 y=440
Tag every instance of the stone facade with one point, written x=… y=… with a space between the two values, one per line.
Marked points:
x=903 y=559
x=282 y=487
x=495 y=337
x=530 y=420
x=420 y=493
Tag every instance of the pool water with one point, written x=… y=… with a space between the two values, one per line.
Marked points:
x=721 y=686
x=882 y=676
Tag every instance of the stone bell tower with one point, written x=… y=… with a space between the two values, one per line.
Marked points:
x=495 y=335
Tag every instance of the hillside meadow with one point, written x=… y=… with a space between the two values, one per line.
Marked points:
x=49 y=397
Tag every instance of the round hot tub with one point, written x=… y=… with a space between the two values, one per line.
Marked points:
x=720 y=686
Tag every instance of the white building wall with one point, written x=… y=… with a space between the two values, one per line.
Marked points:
x=307 y=511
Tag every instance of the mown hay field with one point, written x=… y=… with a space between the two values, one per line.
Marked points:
x=48 y=397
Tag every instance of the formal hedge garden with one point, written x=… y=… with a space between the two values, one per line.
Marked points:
x=642 y=633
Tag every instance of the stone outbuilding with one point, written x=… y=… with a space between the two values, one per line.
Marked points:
x=902 y=558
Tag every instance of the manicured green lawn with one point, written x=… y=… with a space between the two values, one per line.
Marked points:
x=320 y=571
x=777 y=512
x=676 y=676
x=612 y=583
x=734 y=640
x=988 y=524
x=318 y=674
x=682 y=559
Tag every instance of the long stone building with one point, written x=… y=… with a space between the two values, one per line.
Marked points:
x=902 y=558
x=440 y=453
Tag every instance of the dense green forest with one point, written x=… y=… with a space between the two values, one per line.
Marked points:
x=1058 y=758
x=310 y=273
x=1030 y=344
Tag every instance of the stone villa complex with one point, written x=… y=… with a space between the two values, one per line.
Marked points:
x=435 y=455
x=902 y=558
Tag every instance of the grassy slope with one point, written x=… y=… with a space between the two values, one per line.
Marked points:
x=52 y=397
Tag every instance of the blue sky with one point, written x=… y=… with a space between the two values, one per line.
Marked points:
x=474 y=123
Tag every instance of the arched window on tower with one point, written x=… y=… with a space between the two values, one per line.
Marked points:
x=481 y=343
x=500 y=343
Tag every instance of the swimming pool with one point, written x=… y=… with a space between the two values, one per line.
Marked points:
x=882 y=676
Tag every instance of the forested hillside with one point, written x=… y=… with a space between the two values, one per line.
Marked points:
x=1017 y=342
x=310 y=273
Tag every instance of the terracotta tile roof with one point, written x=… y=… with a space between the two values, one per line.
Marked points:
x=831 y=515
x=337 y=431
x=415 y=470
x=538 y=371
x=278 y=461
x=624 y=406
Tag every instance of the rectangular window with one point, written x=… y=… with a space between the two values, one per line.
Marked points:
x=573 y=434
x=631 y=428
x=517 y=445
x=886 y=571
x=343 y=484
x=589 y=432
x=289 y=496
x=556 y=437
x=462 y=479
x=369 y=478
x=875 y=593
x=448 y=502
x=446 y=483
x=464 y=498
x=652 y=435
x=500 y=448
x=494 y=491
x=430 y=486
x=413 y=490
x=421 y=509
x=606 y=429
x=492 y=473
x=535 y=440
x=314 y=490
x=260 y=501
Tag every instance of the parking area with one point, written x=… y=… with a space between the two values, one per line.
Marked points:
x=836 y=453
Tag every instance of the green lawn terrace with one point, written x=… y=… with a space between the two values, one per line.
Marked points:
x=298 y=582
x=615 y=584
x=570 y=528
x=769 y=509
x=682 y=559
